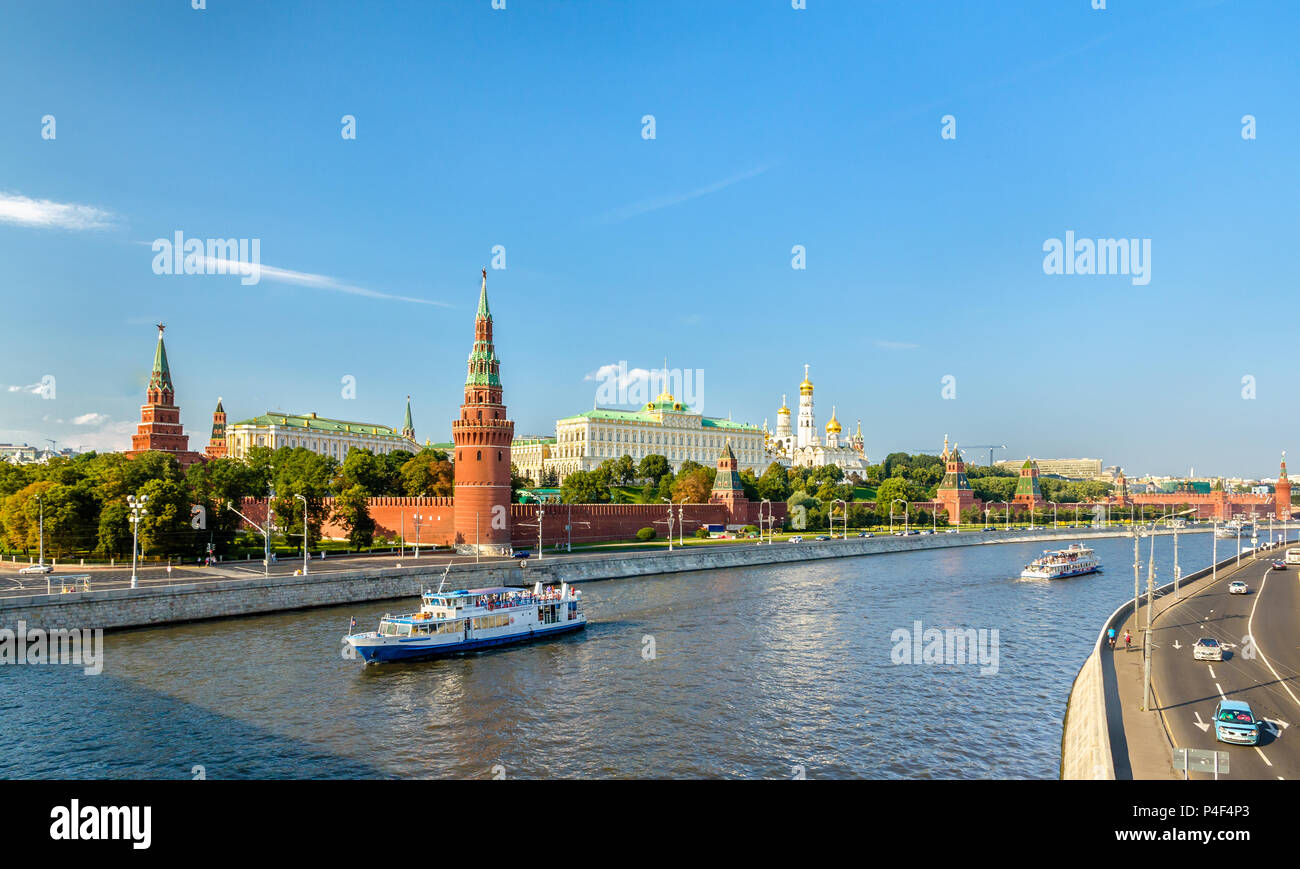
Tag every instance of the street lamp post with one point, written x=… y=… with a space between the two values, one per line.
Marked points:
x=681 y=523
x=40 y=504
x=670 y=523
x=906 y=517
x=306 y=556
x=768 y=502
x=844 y=519
x=417 y=519
x=137 y=507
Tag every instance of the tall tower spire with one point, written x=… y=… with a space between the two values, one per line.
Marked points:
x=483 y=435
x=807 y=434
x=160 y=428
x=408 y=428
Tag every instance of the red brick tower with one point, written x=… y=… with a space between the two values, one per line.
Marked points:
x=217 y=441
x=483 y=435
x=727 y=488
x=1027 y=491
x=955 y=493
x=1282 y=492
x=160 y=428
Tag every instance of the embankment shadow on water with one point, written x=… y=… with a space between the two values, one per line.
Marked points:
x=72 y=726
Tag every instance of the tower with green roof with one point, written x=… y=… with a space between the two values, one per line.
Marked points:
x=727 y=488
x=160 y=428
x=408 y=427
x=483 y=436
x=1027 y=490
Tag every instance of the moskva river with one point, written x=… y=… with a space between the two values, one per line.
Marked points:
x=771 y=672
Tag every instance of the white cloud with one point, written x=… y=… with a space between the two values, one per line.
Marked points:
x=25 y=211
x=618 y=377
x=668 y=201
x=33 y=388
x=90 y=419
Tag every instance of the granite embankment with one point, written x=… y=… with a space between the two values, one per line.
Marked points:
x=125 y=608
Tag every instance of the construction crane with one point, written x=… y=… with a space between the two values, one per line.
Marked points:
x=930 y=451
x=990 y=448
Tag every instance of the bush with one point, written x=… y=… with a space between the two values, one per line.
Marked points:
x=751 y=529
x=646 y=534
x=702 y=533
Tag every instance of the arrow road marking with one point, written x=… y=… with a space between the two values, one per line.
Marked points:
x=1201 y=724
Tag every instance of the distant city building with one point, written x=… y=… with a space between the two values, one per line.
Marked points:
x=160 y=428
x=1070 y=469
x=23 y=454
x=664 y=427
x=329 y=437
x=803 y=447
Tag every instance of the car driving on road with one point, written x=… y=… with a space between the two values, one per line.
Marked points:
x=1238 y=587
x=1234 y=722
x=1207 y=649
x=1279 y=565
x=37 y=568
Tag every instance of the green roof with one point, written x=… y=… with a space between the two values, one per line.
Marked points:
x=319 y=423
x=652 y=416
x=161 y=376
x=525 y=442
x=406 y=423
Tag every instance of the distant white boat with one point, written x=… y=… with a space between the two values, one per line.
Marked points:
x=1062 y=563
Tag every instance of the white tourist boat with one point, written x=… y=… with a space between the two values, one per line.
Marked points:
x=454 y=622
x=1233 y=527
x=1062 y=563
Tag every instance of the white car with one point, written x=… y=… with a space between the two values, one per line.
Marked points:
x=1207 y=649
x=37 y=568
x=1238 y=587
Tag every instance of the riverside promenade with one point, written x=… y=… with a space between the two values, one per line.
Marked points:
x=223 y=597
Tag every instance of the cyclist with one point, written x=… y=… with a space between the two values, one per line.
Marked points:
x=1128 y=640
x=1110 y=637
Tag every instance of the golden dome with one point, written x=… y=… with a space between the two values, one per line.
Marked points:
x=805 y=388
x=784 y=409
x=833 y=427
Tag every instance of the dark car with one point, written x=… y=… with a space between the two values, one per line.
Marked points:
x=521 y=553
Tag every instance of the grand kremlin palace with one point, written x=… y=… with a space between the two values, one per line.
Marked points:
x=664 y=426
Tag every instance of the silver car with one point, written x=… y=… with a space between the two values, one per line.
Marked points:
x=1207 y=649
x=1238 y=587
x=37 y=568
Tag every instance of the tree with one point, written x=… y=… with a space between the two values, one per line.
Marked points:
x=624 y=470
x=653 y=467
x=363 y=468
x=351 y=511
x=774 y=485
x=692 y=485
x=114 y=536
x=894 y=487
x=428 y=475
x=165 y=525
x=583 y=487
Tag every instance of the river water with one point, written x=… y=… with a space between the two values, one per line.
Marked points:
x=754 y=672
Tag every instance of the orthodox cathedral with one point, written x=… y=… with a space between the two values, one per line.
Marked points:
x=803 y=447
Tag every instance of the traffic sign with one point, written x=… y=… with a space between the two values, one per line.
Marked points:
x=1201 y=760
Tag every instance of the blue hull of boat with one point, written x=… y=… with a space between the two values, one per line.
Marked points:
x=416 y=651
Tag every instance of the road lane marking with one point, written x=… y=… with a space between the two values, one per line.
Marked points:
x=1250 y=629
x=1211 y=669
x=1221 y=694
x=1201 y=724
x=1261 y=754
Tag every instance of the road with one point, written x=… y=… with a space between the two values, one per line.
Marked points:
x=1260 y=632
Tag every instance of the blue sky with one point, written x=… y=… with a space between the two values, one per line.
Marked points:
x=774 y=127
